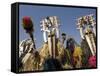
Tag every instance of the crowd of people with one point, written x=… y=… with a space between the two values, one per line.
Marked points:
x=69 y=54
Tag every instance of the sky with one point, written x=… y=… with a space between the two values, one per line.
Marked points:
x=66 y=15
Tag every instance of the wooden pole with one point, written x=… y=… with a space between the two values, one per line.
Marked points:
x=54 y=45
x=50 y=44
x=32 y=37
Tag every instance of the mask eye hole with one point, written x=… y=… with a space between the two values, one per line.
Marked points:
x=86 y=33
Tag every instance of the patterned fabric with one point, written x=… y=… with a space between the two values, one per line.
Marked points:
x=92 y=61
x=25 y=46
x=77 y=52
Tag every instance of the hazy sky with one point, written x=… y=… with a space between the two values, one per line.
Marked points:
x=67 y=16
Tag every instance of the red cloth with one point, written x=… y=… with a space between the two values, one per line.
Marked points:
x=92 y=61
